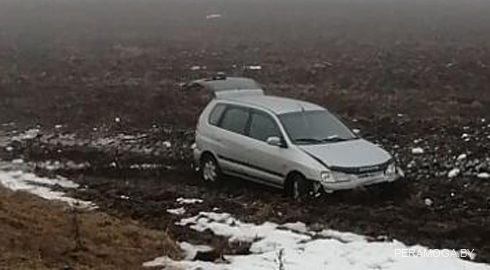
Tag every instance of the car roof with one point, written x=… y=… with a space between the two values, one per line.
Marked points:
x=277 y=105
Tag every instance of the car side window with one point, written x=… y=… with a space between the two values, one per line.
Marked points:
x=216 y=113
x=263 y=126
x=235 y=119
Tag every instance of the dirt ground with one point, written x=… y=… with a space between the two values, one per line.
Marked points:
x=40 y=234
x=100 y=80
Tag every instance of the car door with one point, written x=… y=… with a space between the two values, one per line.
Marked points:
x=231 y=137
x=265 y=161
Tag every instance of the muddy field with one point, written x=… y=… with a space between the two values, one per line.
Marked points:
x=90 y=90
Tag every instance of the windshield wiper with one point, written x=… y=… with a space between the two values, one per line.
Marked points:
x=336 y=138
x=308 y=140
x=322 y=140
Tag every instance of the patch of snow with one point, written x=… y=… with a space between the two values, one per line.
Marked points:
x=312 y=251
x=299 y=227
x=224 y=224
x=117 y=120
x=58 y=126
x=253 y=67
x=18 y=161
x=461 y=157
x=57 y=165
x=188 y=201
x=345 y=237
x=411 y=164
x=213 y=16
x=167 y=144
x=9 y=149
x=357 y=131
x=27 y=135
x=177 y=211
x=483 y=175
x=124 y=197
x=417 y=150
x=464 y=135
x=428 y=202
x=185 y=264
x=18 y=180
x=453 y=173
x=191 y=250
x=145 y=166
x=127 y=137
x=195 y=68
x=11 y=124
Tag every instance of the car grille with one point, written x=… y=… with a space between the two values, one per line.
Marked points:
x=361 y=171
x=371 y=174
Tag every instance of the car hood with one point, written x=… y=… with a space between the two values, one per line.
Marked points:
x=348 y=154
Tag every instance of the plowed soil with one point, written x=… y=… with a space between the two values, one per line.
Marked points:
x=100 y=81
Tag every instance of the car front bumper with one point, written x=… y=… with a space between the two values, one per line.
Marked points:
x=356 y=182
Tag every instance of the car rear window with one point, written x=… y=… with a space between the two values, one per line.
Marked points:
x=235 y=119
x=216 y=114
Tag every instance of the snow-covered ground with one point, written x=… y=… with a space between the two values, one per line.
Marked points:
x=14 y=176
x=293 y=246
x=188 y=200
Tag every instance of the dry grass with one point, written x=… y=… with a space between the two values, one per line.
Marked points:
x=264 y=212
x=40 y=234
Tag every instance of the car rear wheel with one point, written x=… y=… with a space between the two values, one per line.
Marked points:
x=210 y=171
x=301 y=189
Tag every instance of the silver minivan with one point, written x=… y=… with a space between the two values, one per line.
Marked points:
x=282 y=142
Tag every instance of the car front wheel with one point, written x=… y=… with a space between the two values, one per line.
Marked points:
x=301 y=188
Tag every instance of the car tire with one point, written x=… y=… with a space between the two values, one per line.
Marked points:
x=300 y=188
x=210 y=170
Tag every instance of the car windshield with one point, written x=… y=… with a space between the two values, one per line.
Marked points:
x=313 y=127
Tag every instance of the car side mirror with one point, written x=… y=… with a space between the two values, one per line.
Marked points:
x=275 y=141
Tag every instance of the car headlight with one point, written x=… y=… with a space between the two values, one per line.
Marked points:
x=327 y=177
x=332 y=177
x=391 y=169
x=341 y=177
